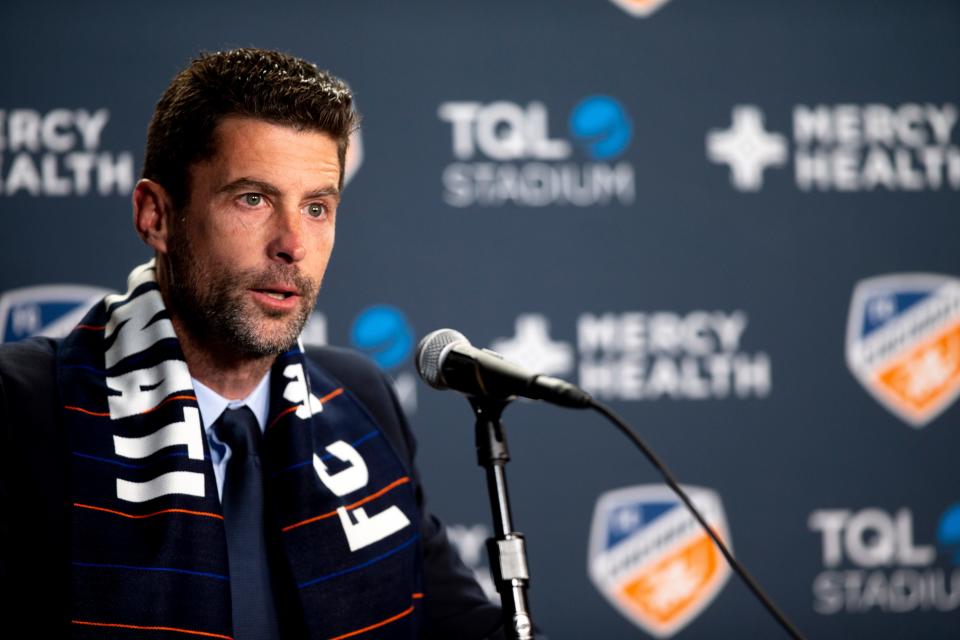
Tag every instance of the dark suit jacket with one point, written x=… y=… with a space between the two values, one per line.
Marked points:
x=34 y=521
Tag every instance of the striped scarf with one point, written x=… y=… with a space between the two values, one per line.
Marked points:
x=149 y=556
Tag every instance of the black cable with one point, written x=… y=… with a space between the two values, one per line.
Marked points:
x=737 y=567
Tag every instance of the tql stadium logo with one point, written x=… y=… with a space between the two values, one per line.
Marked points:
x=46 y=310
x=652 y=560
x=505 y=154
x=885 y=561
x=903 y=342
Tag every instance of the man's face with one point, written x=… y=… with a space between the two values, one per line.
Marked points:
x=248 y=253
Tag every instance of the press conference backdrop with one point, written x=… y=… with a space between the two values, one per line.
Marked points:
x=735 y=222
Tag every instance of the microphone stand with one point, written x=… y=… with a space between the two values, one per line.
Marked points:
x=506 y=549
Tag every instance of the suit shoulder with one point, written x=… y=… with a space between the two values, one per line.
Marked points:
x=368 y=384
x=28 y=365
x=34 y=482
x=349 y=367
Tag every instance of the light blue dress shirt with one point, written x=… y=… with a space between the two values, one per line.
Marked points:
x=212 y=405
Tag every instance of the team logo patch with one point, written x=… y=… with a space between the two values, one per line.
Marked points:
x=354 y=156
x=46 y=310
x=640 y=8
x=903 y=342
x=652 y=560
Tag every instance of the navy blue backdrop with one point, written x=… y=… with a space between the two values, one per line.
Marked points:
x=734 y=221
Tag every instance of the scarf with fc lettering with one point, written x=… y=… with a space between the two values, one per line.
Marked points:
x=149 y=556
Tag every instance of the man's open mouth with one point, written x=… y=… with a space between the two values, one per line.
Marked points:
x=276 y=294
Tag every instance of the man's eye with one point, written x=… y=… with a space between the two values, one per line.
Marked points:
x=316 y=210
x=252 y=199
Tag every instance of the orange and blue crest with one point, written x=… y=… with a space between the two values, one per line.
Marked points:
x=652 y=560
x=640 y=8
x=903 y=342
x=45 y=310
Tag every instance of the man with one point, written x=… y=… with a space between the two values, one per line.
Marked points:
x=178 y=466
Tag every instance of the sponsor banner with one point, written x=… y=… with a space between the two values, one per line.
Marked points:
x=504 y=154
x=903 y=342
x=844 y=147
x=652 y=560
x=875 y=561
x=46 y=310
x=640 y=355
x=58 y=153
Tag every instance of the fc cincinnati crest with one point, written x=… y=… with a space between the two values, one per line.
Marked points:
x=640 y=8
x=47 y=310
x=903 y=342
x=652 y=560
x=354 y=156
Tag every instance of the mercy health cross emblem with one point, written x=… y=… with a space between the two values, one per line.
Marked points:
x=903 y=342
x=652 y=560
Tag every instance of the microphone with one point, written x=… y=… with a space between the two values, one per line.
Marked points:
x=445 y=359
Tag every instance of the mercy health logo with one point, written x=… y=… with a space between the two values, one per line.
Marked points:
x=46 y=310
x=57 y=153
x=875 y=560
x=652 y=560
x=903 y=342
x=505 y=155
x=845 y=147
x=640 y=355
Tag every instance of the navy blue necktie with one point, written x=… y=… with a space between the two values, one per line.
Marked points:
x=254 y=609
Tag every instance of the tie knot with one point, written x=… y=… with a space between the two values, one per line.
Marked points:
x=239 y=430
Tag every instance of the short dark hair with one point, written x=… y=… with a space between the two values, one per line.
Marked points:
x=256 y=83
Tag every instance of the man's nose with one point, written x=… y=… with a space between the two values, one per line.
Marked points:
x=287 y=243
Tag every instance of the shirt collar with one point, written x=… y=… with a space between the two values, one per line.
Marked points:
x=212 y=404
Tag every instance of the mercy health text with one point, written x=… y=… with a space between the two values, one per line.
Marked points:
x=57 y=153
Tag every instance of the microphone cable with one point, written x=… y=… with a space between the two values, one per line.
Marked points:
x=740 y=570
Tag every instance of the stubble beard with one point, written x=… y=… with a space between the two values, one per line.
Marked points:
x=215 y=306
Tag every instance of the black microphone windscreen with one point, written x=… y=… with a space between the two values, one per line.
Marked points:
x=429 y=350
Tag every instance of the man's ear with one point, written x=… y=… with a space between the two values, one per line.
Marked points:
x=152 y=212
